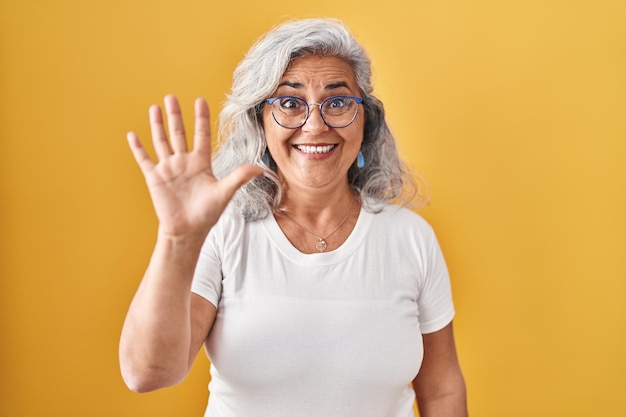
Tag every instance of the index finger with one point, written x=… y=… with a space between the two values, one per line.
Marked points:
x=202 y=127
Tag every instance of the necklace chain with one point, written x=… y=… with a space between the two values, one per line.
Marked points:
x=321 y=244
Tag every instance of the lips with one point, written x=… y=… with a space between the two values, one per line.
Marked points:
x=308 y=149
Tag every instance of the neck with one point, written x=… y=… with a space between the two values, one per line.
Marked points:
x=316 y=225
x=317 y=206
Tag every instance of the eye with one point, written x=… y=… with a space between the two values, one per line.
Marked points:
x=291 y=103
x=337 y=103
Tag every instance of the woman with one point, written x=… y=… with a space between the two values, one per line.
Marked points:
x=313 y=294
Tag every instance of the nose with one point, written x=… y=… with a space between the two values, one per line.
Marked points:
x=315 y=123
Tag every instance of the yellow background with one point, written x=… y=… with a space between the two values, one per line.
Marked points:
x=514 y=111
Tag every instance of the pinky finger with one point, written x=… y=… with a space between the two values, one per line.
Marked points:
x=140 y=154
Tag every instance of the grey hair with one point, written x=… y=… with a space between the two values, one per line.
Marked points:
x=384 y=178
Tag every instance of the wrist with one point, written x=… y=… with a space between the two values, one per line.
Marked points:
x=188 y=239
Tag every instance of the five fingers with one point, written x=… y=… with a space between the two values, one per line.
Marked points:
x=177 y=143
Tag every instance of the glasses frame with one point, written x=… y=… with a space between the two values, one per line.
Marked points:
x=358 y=101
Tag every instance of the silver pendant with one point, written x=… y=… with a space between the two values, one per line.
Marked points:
x=321 y=245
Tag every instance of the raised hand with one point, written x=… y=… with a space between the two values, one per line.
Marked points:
x=187 y=198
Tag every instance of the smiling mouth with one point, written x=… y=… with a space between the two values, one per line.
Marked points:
x=315 y=149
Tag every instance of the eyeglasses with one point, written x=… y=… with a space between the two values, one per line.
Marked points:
x=292 y=112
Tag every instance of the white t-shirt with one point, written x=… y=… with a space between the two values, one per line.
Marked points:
x=334 y=334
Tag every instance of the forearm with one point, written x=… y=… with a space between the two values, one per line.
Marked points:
x=156 y=337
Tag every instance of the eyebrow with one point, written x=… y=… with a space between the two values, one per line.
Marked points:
x=331 y=86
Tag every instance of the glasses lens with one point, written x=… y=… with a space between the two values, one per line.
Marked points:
x=339 y=111
x=292 y=112
x=289 y=112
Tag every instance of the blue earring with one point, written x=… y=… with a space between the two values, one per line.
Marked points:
x=360 y=160
x=266 y=158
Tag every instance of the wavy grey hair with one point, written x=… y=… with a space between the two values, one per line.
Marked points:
x=384 y=178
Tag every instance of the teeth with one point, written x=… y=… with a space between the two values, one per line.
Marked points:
x=315 y=149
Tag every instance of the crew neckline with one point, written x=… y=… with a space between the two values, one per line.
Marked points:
x=278 y=238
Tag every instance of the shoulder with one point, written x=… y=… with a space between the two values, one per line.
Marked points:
x=395 y=216
x=231 y=226
x=233 y=218
x=402 y=228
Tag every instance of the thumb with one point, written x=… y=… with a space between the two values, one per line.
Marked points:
x=238 y=177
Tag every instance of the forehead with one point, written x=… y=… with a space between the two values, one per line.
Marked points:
x=322 y=70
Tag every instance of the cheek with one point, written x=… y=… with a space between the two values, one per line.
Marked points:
x=267 y=117
x=359 y=130
x=274 y=134
x=269 y=128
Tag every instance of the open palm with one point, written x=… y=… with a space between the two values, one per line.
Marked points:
x=187 y=197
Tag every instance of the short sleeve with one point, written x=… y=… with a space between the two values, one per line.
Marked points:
x=435 y=305
x=207 y=280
